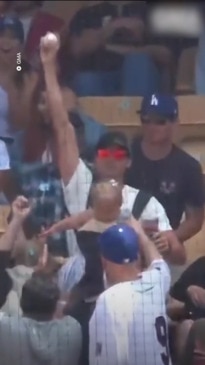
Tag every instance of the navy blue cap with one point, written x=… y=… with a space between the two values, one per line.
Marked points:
x=161 y=105
x=119 y=244
x=13 y=23
x=113 y=139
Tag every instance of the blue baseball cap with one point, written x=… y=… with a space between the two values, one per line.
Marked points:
x=119 y=244
x=161 y=105
x=14 y=24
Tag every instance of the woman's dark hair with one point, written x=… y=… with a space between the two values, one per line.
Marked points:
x=40 y=295
x=19 y=76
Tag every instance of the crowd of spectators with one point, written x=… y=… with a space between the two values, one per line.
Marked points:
x=91 y=261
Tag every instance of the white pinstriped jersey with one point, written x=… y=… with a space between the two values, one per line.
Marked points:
x=129 y=324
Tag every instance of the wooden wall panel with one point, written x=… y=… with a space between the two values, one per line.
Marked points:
x=121 y=113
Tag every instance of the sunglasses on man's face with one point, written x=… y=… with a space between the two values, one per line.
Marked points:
x=155 y=121
x=116 y=154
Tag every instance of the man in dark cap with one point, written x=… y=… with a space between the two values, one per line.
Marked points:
x=165 y=170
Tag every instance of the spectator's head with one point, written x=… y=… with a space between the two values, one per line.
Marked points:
x=25 y=6
x=112 y=156
x=40 y=296
x=119 y=248
x=107 y=200
x=11 y=40
x=159 y=114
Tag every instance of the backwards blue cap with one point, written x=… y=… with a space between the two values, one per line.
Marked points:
x=13 y=23
x=119 y=244
x=162 y=105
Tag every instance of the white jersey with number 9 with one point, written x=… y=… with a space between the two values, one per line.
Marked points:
x=129 y=324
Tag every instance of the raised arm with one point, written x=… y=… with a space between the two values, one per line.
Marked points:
x=20 y=211
x=72 y=222
x=152 y=257
x=67 y=148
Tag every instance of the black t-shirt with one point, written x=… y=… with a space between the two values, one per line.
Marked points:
x=193 y=275
x=176 y=181
x=91 y=283
x=6 y=284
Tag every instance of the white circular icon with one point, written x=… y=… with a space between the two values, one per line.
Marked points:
x=18 y=68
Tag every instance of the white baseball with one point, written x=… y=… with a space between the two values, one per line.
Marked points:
x=50 y=38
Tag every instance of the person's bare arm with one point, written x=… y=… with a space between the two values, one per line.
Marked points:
x=67 y=148
x=194 y=218
x=73 y=222
x=170 y=247
x=20 y=211
x=194 y=195
x=9 y=185
x=175 y=309
x=8 y=238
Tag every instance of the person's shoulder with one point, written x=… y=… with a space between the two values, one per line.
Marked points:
x=10 y=321
x=154 y=206
x=153 y=210
x=114 y=293
x=185 y=159
x=70 y=323
x=129 y=190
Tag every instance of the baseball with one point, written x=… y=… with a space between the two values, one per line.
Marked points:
x=50 y=37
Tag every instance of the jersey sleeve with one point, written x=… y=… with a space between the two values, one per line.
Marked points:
x=76 y=192
x=102 y=346
x=163 y=273
x=4 y=157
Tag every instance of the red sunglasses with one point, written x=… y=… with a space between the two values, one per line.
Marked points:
x=117 y=154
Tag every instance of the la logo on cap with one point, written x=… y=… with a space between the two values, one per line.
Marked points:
x=154 y=100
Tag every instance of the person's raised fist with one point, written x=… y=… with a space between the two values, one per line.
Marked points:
x=49 y=46
x=21 y=208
